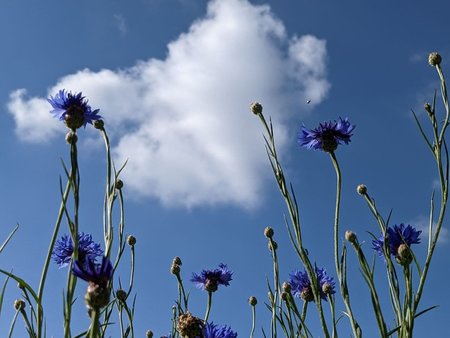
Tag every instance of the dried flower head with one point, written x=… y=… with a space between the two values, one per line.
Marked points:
x=210 y=280
x=87 y=248
x=301 y=285
x=73 y=109
x=327 y=136
x=189 y=326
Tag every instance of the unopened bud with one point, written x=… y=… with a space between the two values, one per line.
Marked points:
x=131 y=240
x=19 y=304
x=268 y=232
x=327 y=288
x=350 y=236
x=149 y=334
x=434 y=59
x=177 y=261
x=119 y=184
x=252 y=301
x=256 y=108
x=99 y=124
x=121 y=295
x=404 y=255
x=175 y=269
x=361 y=189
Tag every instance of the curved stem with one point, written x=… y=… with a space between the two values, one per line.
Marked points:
x=208 y=306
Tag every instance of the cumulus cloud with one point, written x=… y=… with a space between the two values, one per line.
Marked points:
x=184 y=122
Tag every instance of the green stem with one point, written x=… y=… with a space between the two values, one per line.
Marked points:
x=339 y=270
x=94 y=330
x=208 y=306
x=253 y=321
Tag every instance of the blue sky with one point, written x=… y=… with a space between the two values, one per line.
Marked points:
x=173 y=80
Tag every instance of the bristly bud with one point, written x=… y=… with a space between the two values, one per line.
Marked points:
x=272 y=245
x=252 y=301
x=119 y=184
x=149 y=334
x=434 y=59
x=71 y=137
x=177 y=261
x=256 y=108
x=189 y=326
x=327 y=288
x=121 y=295
x=286 y=287
x=19 y=304
x=268 y=232
x=307 y=295
x=175 y=269
x=361 y=189
x=350 y=236
x=99 y=124
x=97 y=296
x=131 y=240
x=404 y=255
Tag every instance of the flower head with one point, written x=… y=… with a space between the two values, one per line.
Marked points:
x=62 y=252
x=210 y=280
x=98 y=277
x=218 y=331
x=93 y=272
x=327 y=136
x=73 y=109
x=396 y=236
x=301 y=285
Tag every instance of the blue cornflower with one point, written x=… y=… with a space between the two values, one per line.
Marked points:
x=62 y=252
x=92 y=272
x=301 y=285
x=73 y=109
x=218 y=331
x=327 y=136
x=397 y=237
x=210 y=280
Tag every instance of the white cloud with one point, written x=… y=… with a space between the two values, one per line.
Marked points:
x=423 y=223
x=184 y=122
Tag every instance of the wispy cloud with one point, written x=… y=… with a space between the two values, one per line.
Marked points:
x=423 y=223
x=121 y=24
x=183 y=122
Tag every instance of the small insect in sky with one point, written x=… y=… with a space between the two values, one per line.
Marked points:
x=308 y=102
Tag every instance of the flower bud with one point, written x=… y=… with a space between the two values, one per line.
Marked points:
x=286 y=287
x=268 y=232
x=119 y=184
x=121 y=295
x=285 y=296
x=71 y=137
x=131 y=240
x=404 y=255
x=99 y=124
x=149 y=334
x=434 y=59
x=327 y=288
x=256 y=108
x=19 y=304
x=350 y=236
x=177 y=261
x=306 y=294
x=175 y=269
x=189 y=326
x=252 y=301
x=361 y=189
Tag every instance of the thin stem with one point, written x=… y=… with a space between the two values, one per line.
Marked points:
x=253 y=321
x=208 y=306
